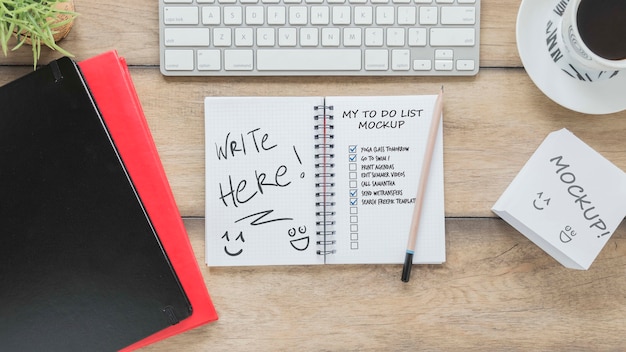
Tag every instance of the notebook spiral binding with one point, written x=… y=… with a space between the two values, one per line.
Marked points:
x=324 y=175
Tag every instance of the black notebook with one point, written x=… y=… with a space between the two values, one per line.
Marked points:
x=81 y=268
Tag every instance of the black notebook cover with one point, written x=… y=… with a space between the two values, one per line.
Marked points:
x=81 y=268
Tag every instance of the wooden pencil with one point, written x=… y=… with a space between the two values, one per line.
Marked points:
x=421 y=188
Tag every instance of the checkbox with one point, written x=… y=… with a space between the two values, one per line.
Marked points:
x=354 y=236
x=353 y=176
x=354 y=245
x=352 y=166
x=352 y=149
x=353 y=192
x=352 y=157
x=353 y=184
x=354 y=228
x=354 y=219
x=354 y=201
x=354 y=210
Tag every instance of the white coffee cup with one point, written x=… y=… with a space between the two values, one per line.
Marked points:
x=603 y=27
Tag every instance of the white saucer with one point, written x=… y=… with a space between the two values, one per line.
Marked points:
x=598 y=97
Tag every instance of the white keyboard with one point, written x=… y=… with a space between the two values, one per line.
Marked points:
x=319 y=37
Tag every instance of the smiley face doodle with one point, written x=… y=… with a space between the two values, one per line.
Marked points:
x=538 y=202
x=238 y=238
x=299 y=244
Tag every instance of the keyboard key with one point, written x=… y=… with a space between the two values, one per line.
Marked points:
x=177 y=1
x=407 y=15
x=309 y=36
x=287 y=37
x=265 y=37
x=211 y=15
x=465 y=65
x=309 y=59
x=179 y=60
x=395 y=36
x=186 y=37
x=254 y=15
x=458 y=15
x=428 y=15
x=363 y=15
x=320 y=15
x=222 y=37
x=341 y=14
x=441 y=54
x=376 y=60
x=443 y=65
x=330 y=37
x=208 y=60
x=233 y=15
x=417 y=37
x=373 y=36
x=244 y=37
x=238 y=60
x=298 y=15
x=422 y=65
x=276 y=15
x=352 y=37
x=180 y=15
x=452 y=37
x=385 y=15
x=400 y=60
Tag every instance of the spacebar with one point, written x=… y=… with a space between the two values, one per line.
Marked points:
x=308 y=60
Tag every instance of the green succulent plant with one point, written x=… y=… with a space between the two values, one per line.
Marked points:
x=33 y=22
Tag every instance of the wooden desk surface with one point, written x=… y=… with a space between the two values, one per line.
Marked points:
x=497 y=290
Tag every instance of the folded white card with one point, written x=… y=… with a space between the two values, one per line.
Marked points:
x=568 y=199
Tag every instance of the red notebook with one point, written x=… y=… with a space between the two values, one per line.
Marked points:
x=111 y=86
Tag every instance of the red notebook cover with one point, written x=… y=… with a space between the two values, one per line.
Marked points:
x=111 y=86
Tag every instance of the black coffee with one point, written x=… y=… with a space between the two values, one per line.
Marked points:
x=602 y=27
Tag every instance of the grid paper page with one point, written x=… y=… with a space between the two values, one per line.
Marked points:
x=260 y=204
x=379 y=147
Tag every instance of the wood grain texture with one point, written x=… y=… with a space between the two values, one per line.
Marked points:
x=497 y=290
x=492 y=125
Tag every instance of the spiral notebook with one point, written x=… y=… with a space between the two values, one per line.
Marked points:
x=314 y=180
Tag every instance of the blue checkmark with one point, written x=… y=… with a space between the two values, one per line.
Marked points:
x=353 y=192
x=352 y=149
x=352 y=157
x=353 y=201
